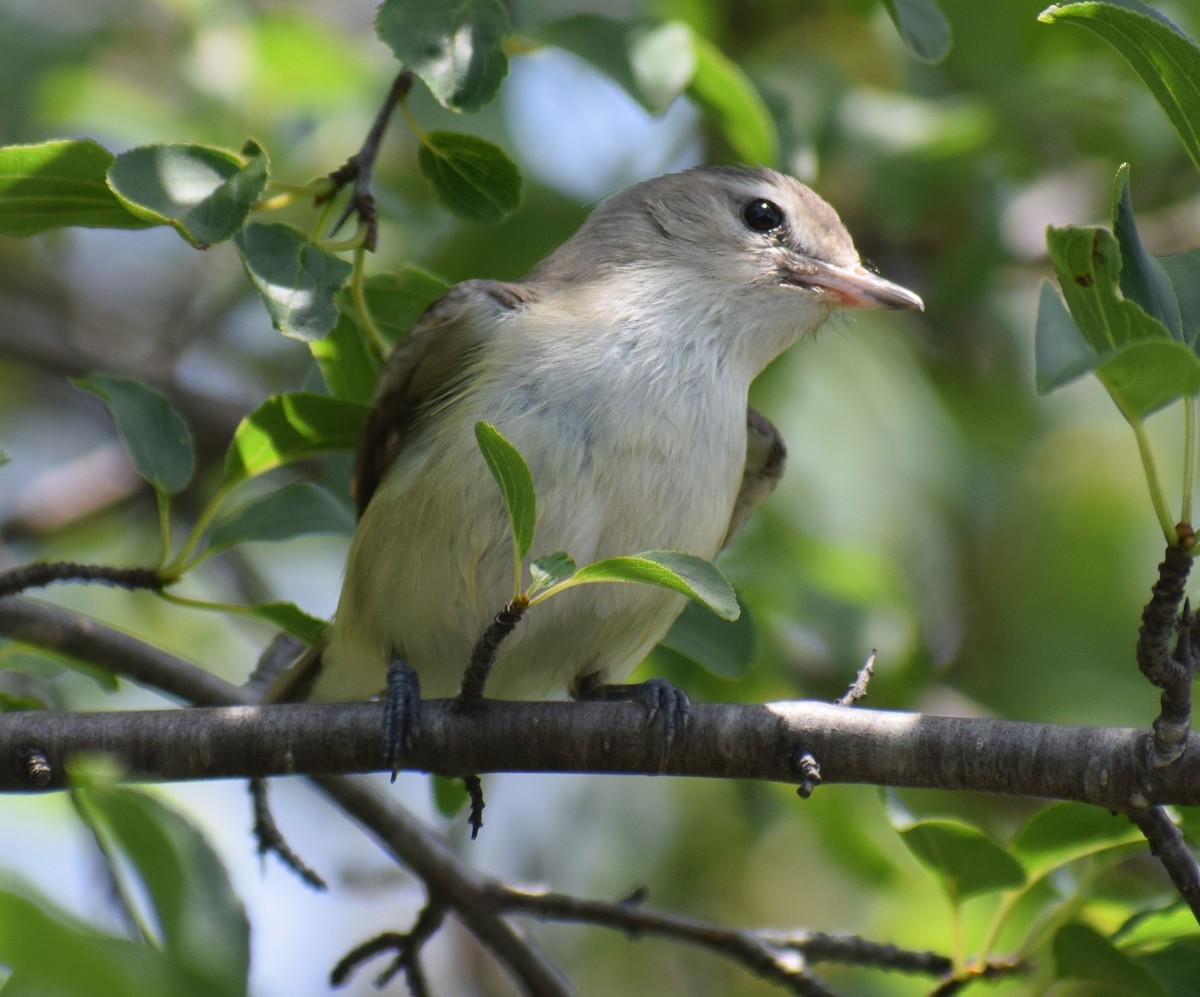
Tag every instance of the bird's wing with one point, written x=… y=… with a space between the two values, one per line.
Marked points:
x=424 y=368
x=766 y=456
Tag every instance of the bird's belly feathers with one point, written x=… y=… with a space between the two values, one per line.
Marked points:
x=431 y=562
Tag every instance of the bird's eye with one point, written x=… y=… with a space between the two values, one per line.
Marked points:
x=762 y=215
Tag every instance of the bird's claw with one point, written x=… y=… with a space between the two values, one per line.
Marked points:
x=401 y=713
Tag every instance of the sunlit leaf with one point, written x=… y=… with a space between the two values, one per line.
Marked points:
x=155 y=435
x=1062 y=832
x=685 y=573
x=550 y=570
x=724 y=90
x=1166 y=59
x=511 y=472
x=1082 y=953
x=295 y=510
x=454 y=46
x=288 y=427
x=205 y=193
x=295 y=279
x=290 y=617
x=964 y=859
x=347 y=362
x=471 y=177
x=57 y=184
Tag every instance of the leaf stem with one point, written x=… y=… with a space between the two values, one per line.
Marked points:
x=1189 y=457
x=358 y=281
x=187 y=559
x=1150 y=467
x=164 y=525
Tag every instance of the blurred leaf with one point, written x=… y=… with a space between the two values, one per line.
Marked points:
x=1063 y=832
x=294 y=510
x=290 y=426
x=651 y=62
x=290 y=617
x=1183 y=270
x=295 y=279
x=204 y=192
x=964 y=859
x=1082 y=953
x=923 y=28
x=1176 y=967
x=1166 y=59
x=203 y=923
x=1152 y=928
x=470 y=177
x=49 y=951
x=154 y=434
x=550 y=570
x=449 y=795
x=347 y=362
x=454 y=46
x=1143 y=278
x=723 y=647
x=396 y=299
x=1061 y=353
x=1139 y=363
x=511 y=472
x=56 y=184
x=685 y=573
x=298 y=61
x=735 y=105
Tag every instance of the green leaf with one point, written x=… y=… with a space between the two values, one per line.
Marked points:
x=511 y=472
x=288 y=427
x=450 y=796
x=1135 y=357
x=154 y=434
x=964 y=859
x=1143 y=278
x=685 y=573
x=1082 y=953
x=923 y=28
x=396 y=300
x=550 y=570
x=291 y=618
x=294 y=510
x=720 y=86
x=205 y=193
x=1166 y=59
x=203 y=923
x=347 y=362
x=57 y=184
x=470 y=177
x=1061 y=352
x=1147 y=376
x=651 y=62
x=454 y=46
x=722 y=647
x=49 y=951
x=1063 y=832
x=295 y=279
x=1183 y=270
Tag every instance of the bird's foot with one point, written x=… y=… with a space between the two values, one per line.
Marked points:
x=661 y=701
x=401 y=712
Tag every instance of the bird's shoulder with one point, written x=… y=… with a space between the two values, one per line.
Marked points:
x=428 y=365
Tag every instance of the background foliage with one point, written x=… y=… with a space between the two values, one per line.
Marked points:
x=994 y=546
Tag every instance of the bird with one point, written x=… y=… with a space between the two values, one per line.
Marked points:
x=619 y=368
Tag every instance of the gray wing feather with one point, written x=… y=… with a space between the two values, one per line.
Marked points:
x=766 y=457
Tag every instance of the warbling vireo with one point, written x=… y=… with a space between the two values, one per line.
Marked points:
x=620 y=369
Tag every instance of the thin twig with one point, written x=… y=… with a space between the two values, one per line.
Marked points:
x=42 y=573
x=1167 y=845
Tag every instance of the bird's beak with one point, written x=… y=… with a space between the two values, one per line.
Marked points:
x=854 y=287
